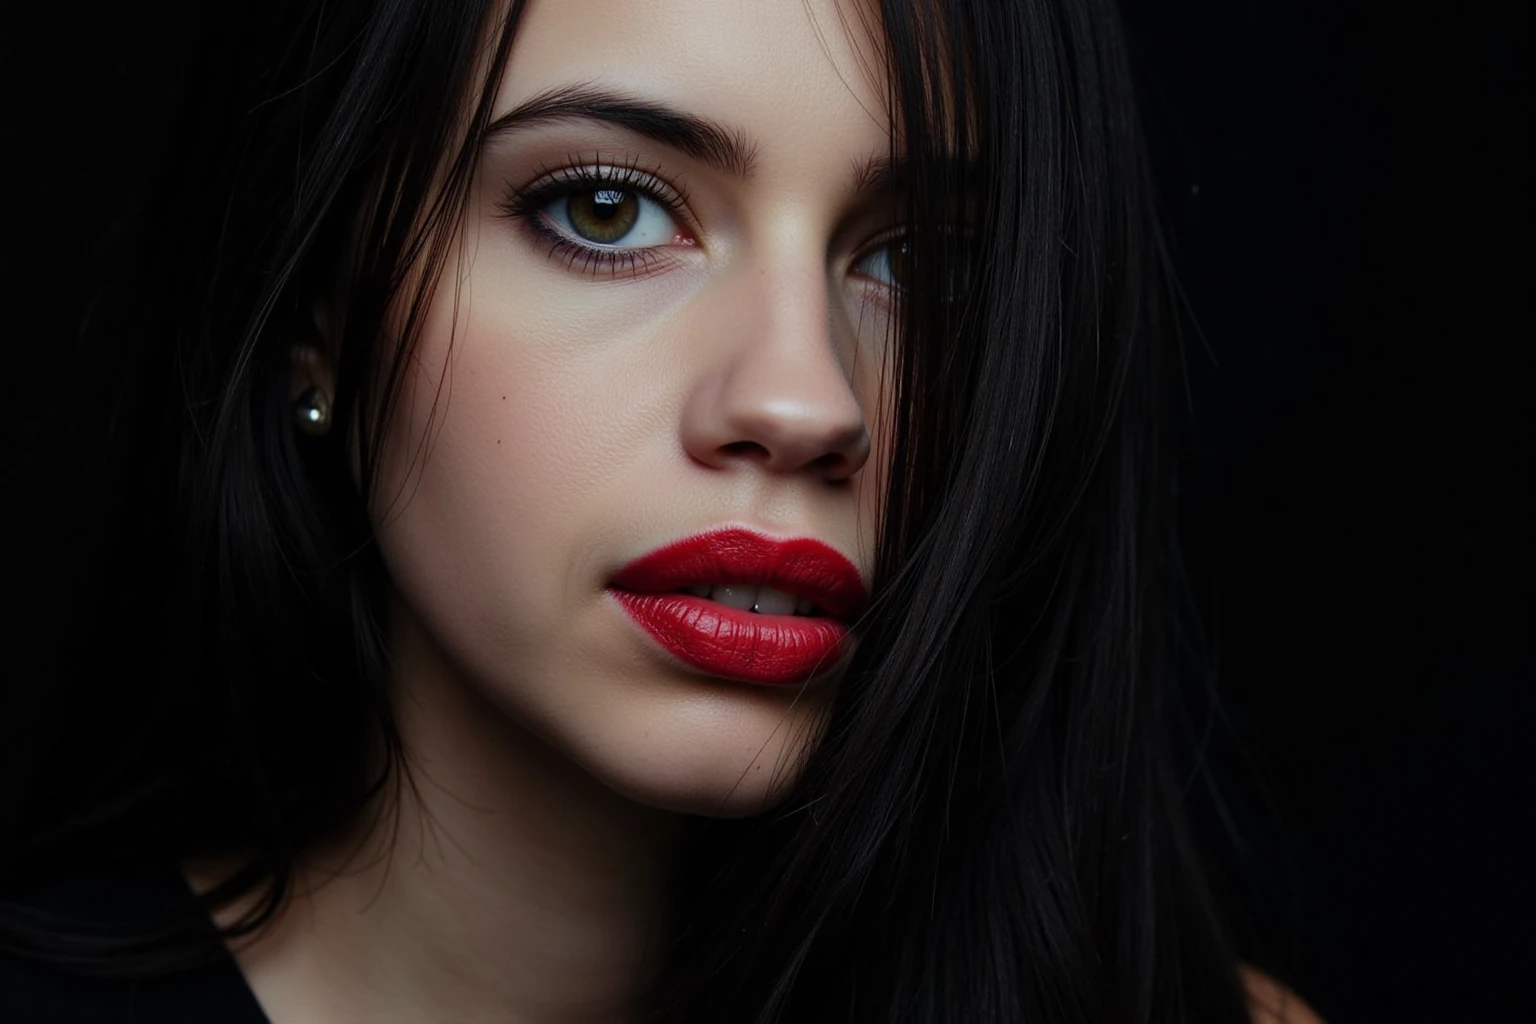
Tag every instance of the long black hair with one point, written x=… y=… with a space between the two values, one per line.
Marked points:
x=991 y=828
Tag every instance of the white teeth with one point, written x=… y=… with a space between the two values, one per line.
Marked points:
x=774 y=602
x=739 y=596
x=750 y=597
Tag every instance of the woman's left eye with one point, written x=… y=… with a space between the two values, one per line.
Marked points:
x=615 y=218
x=889 y=264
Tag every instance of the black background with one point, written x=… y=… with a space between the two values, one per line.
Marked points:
x=1348 y=193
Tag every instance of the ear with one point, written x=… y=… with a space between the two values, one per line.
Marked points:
x=310 y=367
x=312 y=376
x=313 y=360
x=311 y=388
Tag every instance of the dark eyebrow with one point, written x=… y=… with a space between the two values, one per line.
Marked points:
x=878 y=174
x=699 y=137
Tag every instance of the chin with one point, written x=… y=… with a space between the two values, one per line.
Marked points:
x=504 y=720
x=724 y=750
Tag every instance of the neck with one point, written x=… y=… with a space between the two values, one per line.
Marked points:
x=501 y=883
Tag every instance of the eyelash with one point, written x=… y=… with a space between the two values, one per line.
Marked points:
x=526 y=205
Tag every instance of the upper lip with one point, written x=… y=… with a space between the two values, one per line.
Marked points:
x=800 y=566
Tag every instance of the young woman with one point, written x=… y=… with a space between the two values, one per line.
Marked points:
x=635 y=512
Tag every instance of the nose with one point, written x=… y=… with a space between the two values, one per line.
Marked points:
x=779 y=396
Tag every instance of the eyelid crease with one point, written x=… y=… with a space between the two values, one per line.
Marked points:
x=581 y=174
x=719 y=145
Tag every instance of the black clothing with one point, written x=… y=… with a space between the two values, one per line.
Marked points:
x=33 y=993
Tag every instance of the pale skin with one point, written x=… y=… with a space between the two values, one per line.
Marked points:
x=584 y=420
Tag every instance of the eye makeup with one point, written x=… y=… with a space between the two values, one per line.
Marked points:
x=594 y=197
x=582 y=212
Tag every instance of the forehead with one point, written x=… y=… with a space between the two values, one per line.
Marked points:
x=803 y=74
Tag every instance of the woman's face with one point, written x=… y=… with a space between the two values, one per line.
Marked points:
x=668 y=324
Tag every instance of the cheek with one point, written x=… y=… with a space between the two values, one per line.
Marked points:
x=535 y=426
x=508 y=438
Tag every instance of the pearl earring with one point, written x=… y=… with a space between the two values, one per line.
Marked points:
x=313 y=411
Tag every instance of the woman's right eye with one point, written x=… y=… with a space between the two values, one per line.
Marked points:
x=611 y=218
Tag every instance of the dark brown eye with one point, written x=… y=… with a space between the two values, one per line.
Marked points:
x=603 y=215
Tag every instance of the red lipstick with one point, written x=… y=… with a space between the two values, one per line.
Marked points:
x=773 y=646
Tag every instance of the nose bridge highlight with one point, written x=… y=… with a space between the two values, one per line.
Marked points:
x=781 y=397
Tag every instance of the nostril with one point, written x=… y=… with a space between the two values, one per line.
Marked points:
x=831 y=462
x=748 y=448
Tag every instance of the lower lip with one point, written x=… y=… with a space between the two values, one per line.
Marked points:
x=778 y=650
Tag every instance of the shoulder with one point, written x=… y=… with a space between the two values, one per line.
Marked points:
x=1270 y=1002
